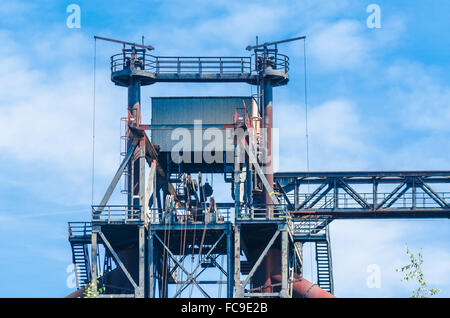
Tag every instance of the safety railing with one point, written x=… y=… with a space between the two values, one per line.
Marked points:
x=263 y=212
x=79 y=229
x=116 y=214
x=182 y=65
x=276 y=61
x=200 y=65
x=312 y=227
x=186 y=216
x=345 y=201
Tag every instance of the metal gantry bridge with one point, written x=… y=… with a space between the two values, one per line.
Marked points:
x=168 y=235
x=405 y=194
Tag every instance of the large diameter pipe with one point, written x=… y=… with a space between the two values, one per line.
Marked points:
x=79 y=293
x=301 y=287
x=134 y=118
x=134 y=101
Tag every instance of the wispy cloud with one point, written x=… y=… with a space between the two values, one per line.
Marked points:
x=347 y=44
x=422 y=96
x=337 y=138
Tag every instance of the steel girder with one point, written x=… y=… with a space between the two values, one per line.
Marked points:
x=411 y=194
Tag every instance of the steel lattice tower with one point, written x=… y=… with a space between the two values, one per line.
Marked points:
x=168 y=218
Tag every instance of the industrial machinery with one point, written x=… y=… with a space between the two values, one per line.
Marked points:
x=172 y=231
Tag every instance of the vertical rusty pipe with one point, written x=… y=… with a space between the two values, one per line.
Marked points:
x=268 y=169
x=134 y=99
x=134 y=118
x=268 y=125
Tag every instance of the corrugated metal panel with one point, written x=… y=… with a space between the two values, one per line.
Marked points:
x=185 y=110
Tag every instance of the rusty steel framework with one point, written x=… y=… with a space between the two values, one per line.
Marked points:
x=168 y=234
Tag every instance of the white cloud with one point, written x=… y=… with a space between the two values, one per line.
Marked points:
x=347 y=44
x=47 y=116
x=336 y=136
x=229 y=26
x=339 y=45
x=422 y=99
x=233 y=29
x=46 y=120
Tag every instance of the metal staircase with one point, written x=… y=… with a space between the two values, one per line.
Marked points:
x=80 y=258
x=315 y=230
x=324 y=265
x=80 y=238
x=309 y=229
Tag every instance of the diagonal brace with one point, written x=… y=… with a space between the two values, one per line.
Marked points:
x=202 y=261
x=320 y=196
x=117 y=259
x=258 y=262
x=182 y=288
x=209 y=253
x=355 y=195
x=398 y=196
x=391 y=195
x=116 y=178
x=260 y=173
x=436 y=197
x=316 y=192
x=291 y=207
x=181 y=266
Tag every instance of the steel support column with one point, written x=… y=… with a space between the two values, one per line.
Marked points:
x=284 y=263
x=230 y=276
x=94 y=260
x=238 y=289
x=140 y=290
x=134 y=118
x=151 y=265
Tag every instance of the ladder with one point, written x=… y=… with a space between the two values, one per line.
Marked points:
x=80 y=258
x=324 y=265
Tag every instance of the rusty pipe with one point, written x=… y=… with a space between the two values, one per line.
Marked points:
x=301 y=287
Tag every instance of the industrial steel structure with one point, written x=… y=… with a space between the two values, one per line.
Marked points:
x=171 y=229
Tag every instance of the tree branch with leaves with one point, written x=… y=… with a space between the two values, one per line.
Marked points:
x=413 y=272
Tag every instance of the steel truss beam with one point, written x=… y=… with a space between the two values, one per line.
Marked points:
x=398 y=203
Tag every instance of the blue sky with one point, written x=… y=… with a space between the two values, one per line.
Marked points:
x=378 y=100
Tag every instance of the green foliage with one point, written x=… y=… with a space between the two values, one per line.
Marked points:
x=413 y=272
x=89 y=291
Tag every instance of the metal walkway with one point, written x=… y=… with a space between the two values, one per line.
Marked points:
x=344 y=195
x=149 y=69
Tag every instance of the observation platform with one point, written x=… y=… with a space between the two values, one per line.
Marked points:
x=150 y=69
